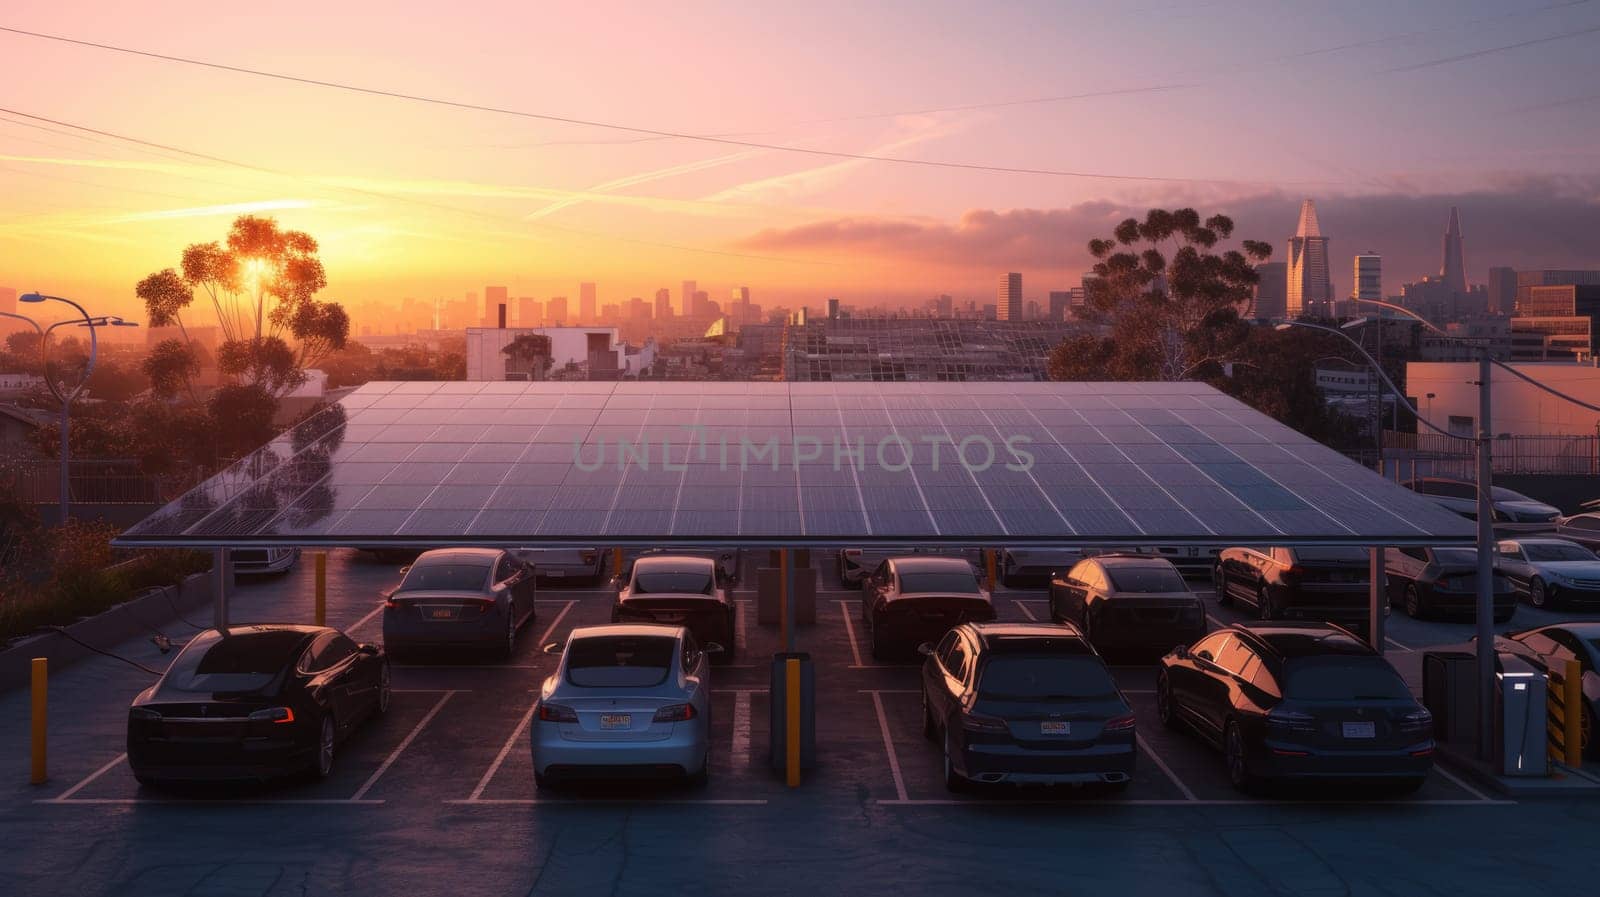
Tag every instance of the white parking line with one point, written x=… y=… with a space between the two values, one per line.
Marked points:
x=1463 y=784
x=404 y=743
x=536 y=801
x=740 y=642
x=850 y=630
x=505 y=750
x=366 y=619
x=1397 y=644
x=1026 y=611
x=1161 y=764
x=888 y=747
x=740 y=749
x=66 y=795
x=544 y=639
x=1137 y=802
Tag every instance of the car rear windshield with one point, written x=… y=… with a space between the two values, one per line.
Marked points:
x=445 y=577
x=1553 y=551
x=1343 y=679
x=680 y=582
x=620 y=661
x=946 y=581
x=1330 y=553
x=1023 y=677
x=233 y=663
x=1147 y=579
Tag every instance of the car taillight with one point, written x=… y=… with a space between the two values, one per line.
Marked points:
x=1119 y=723
x=485 y=605
x=389 y=603
x=140 y=713
x=1418 y=720
x=675 y=713
x=977 y=722
x=588 y=557
x=557 y=713
x=1291 y=721
x=852 y=552
x=274 y=715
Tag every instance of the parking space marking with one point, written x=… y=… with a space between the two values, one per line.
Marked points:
x=740 y=642
x=1397 y=644
x=740 y=749
x=1463 y=785
x=404 y=743
x=850 y=630
x=543 y=639
x=505 y=751
x=366 y=619
x=1161 y=764
x=631 y=801
x=888 y=745
x=1026 y=611
x=210 y=802
x=1208 y=802
x=65 y=796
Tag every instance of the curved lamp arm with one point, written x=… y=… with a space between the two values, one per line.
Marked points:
x=1398 y=395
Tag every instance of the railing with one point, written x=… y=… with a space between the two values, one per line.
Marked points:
x=1564 y=715
x=39 y=483
x=1512 y=455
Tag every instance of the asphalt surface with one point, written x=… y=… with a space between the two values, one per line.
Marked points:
x=438 y=797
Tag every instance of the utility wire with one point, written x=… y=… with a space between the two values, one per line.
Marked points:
x=1432 y=63
x=62 y=631
x=635 y=129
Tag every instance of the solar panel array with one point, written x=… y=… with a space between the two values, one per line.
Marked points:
x=798 y=463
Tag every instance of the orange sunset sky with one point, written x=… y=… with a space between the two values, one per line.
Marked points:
x=1387 y=113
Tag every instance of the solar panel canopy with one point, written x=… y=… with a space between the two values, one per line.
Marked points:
x=679 y=464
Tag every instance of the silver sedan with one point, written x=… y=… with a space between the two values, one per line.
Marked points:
x=626 y=701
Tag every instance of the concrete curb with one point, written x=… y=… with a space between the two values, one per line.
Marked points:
x=106 y=630
x=1564 y=784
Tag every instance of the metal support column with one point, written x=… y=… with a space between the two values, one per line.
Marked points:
x=1486 y=547
x=222 y=581
x=788 y=601
x=1377 y=599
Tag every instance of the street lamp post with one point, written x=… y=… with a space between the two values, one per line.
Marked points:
x=67 y=398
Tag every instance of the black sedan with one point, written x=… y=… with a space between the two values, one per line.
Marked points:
x=1128 y=603
x=1437 y=582
x=1025 y=704
x=255 y=702
x=1327 y=584
x=1549 y=648
x=680 y=590
x=1297 y=701
x=918 y=598
x=460 y=598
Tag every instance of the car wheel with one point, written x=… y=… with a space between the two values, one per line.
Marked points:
x=1237 y=760
x=1264 y=608
x=954 y=782
x=930 y=729
x=1414 y=608
x=325 y=746
x=1538 y=595
x=147 y=781
x=1164 y=709
x=542 y=782
x=1220 y=586
x=385 y=691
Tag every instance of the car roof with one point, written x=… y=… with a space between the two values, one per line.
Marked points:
x=921 y=563
x=1130 y=559
x=261 y=628
x=626 y=630
x=1543 y=540
x=1025 y=637
x=674 y=562
x=456 y=555
x=1308 y=639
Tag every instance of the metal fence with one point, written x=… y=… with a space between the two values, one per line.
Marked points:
x=1456 y=456
x=89 y=482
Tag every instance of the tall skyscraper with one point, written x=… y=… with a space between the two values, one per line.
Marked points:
x=586 y=303
x=1310 y=289
x=1368 y=277
x=1008 y=299
x=686 y=299
x=465 y=319
x=1272 y=289
x=944 y=305
x=1502 y=290
x=1453 y=271
x=555 y=311
x=663 y=304
x=528 y=312
x=493 y=298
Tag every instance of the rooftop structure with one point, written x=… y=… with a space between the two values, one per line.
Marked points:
x=920 y=349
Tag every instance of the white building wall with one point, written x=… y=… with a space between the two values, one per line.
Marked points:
x=1517 y=407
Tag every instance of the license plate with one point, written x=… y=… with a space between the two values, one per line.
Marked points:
x=616 y=721
x=1360 y=730
x=442 y=613
x=1055 y=727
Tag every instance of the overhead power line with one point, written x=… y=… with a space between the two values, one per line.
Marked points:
x=636 y=129
x=1432 y=63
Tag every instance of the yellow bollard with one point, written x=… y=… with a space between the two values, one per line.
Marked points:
x=41 y=693
x=322 y=588
x=1572 y=713
x=989 y=565
x=616 y=562
x=791 y=729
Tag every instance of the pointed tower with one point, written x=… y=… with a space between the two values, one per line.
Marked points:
x=1310 y=284
x=1454 y=270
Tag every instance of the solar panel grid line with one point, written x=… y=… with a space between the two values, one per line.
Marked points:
x=938 y=528
x=1244 y=421
x=638 y=432
x=1071 y=530
x=1110 y=502
x=855 y=479
x=916 y=482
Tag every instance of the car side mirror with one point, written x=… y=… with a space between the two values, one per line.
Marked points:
x=1181 y=652
x=368 y=649
x=553 y=648
x=714 y=648
x=925 y=649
